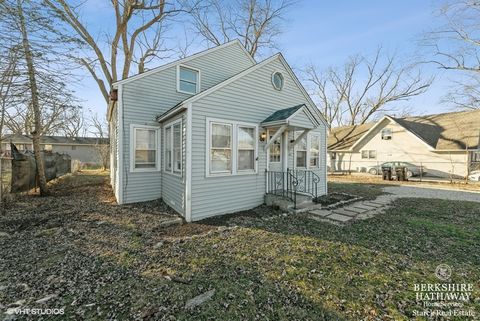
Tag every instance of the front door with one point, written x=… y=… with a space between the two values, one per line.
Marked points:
x=274 y=152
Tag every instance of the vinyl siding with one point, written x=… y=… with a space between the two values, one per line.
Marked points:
x=173 y=185
x=251 y=98
x=301 y=119
x=152 y=95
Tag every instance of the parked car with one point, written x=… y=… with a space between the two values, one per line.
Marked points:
x=412 y=169
x=474 y=176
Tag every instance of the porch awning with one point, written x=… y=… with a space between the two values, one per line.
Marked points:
x=297 y=116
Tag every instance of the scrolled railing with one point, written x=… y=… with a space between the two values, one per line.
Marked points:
x=292 y=182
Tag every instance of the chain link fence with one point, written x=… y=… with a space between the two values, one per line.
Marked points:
x=428 y=170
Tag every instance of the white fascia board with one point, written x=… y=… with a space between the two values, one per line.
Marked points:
x=184 y=60
x=302 y=89
x=172 y=113
x=369 y=131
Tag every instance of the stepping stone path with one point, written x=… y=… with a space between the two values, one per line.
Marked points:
x=354 y=211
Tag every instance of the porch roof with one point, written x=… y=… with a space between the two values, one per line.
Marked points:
x=298 y=116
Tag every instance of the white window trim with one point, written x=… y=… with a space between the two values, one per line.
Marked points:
x=283 y=80
x=234 y=154
x=133 y=128
x=268 y=150
x=255 y=149
x=309 y=142
x=198 y=80
x=171 y=124
x=368 y=153
x=309 y=152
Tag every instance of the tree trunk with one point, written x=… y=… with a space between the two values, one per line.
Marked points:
x=35 y=103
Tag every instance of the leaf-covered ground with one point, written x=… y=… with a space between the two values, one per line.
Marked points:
x=105 y=262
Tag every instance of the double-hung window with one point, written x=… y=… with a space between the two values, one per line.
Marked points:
x=314 y=151
x=301 y=153
x=232 y=147
x=144 y=148
x=220 y=148
x=188 y=80
x=246 y=148
x=173 y=147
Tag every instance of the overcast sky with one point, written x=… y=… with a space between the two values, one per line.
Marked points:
x=326 y=33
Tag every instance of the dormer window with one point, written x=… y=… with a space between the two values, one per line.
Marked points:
x=188 y=80
x=387 y=134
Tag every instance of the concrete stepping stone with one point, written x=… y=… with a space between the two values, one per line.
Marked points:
x=321 y=213
x=368 y=206
x=354 y=209
x=339 y=218
x=344 y=212
x=362 y=207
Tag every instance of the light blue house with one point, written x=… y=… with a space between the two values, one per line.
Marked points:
x=213 y=133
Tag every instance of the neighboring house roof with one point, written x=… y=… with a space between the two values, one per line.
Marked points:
x=282 y=114
x=447 y=131
x=55 y=140
x=183 y=104
x=343 y=138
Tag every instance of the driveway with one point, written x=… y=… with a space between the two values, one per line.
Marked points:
x=440 y=193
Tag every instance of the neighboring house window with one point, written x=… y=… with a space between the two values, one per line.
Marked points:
x=74 y=147
x=221 y=148
x=144 y=148
x=246 y=148
x=369 y=154
x=232 y=147
x=47 y=148
x=301 y=153
x=173 y=147
x=386 y=133
x=275 y=148
x=315 y=151
x=188 y=80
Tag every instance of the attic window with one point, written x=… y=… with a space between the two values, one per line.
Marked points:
x=277 y=80
x=387 y=134
x=188 y=80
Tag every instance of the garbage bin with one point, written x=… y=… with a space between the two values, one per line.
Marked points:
x=387 y=173
x=401 y=173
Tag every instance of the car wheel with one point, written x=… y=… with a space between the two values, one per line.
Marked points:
x=373 y=171
x=409 y=174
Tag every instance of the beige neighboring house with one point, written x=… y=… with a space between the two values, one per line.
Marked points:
x=443 y=145
x=81 y=148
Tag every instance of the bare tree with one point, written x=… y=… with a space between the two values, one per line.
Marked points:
x=74 y=123
x=7 y=74
x=456 y=47
x=363 y=87
x=137 y=37
x=34 y=98
x=256 y=23
x=99 y=129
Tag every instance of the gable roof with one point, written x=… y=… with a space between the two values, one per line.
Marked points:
x=282 y=114
x=447 y=131
x=247 y=71
x=55 y=140
x=343 y=138
x=184 y=60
